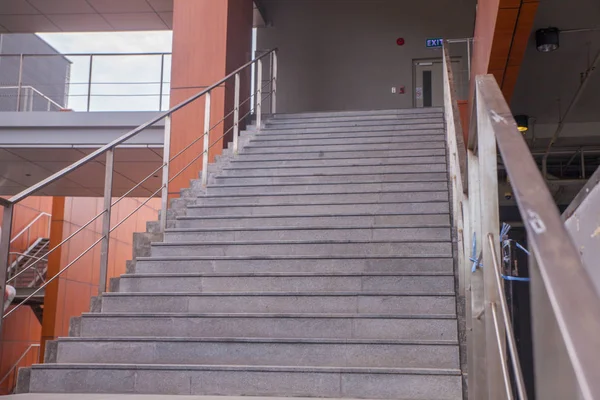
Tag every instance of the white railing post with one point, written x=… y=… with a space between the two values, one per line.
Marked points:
x=236 y=114
x=259 y=80
x=274 y=82
x=105 y=243
x=206 y=143
x=165 y=175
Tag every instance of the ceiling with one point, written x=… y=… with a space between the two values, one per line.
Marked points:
x=548 y=81
x=21 y=168
x=31 y=16
x=36 y=16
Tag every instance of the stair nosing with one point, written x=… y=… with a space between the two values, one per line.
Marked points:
x=299 y=228
x=255 y=368
x=283 y=257
x=284 y=274
x=136 y=314
x=313 y=204
x=221 y=196
x=277 y=294
x=266 y=340
x=286 y=242
x=213 y=186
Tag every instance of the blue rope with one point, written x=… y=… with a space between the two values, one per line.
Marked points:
x=503 y=232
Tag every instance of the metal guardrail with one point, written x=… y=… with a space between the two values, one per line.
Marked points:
x=12 y=371
x=565 y=305
x=27 y=96
x=84 y=89
x=258 y=96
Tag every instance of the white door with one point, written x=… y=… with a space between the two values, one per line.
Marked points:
x=429 y=82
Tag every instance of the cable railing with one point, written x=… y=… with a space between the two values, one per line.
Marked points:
x=10 y=378
x=106 y=154
x=565 y=306
x=91 y=88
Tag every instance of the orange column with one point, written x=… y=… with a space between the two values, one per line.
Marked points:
x=52 y=309
x=210 y=40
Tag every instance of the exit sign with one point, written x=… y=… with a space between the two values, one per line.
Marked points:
x=432 y=43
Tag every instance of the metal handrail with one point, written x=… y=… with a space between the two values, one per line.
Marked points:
x=510 y=336
x=29 y=225
x=34 y=90
x=557 y=273
x=109 y=150
x=12 y=369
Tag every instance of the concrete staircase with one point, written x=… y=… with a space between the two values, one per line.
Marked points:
x=317 y=263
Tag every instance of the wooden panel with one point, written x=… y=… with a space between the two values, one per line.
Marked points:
x=210 y=39
x=523 y=32
x=510 y=80
x=503 y=36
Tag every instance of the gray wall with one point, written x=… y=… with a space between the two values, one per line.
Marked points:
x=342 y=54
x=49 y=75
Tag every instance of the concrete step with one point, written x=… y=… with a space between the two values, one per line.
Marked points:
x=434 y=156
x=321 y=209
x=401 y=113
x=373 y=119
x=277 y=138
x=362 y=148
x=326 y=221
x=278 y=125
x=424 y=150
x=298 y=248
x=281 y=326
x=292 y=264
x=412 y=283
x=342 y=142
x=375 y=383
x=316 y=233
x=279 y=302
x=328 y=188
x=436 y=164
x=272 y=352
x=363 y=131
x=302 y=198
x=340 y=178
x=288 y=132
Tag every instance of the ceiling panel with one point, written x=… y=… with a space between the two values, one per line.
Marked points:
x=161 y=5
x=62 y=6
x=27 y=23
x=135 y=22
x=83 y=22
x=17 y=7
x=121 y=6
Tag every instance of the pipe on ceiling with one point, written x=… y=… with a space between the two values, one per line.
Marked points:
x=561 y=125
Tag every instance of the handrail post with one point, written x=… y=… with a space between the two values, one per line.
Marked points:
x=274 y=82
x=108 y=183
x=20 y=83
x=490 y=224
x=236 y=114
x=162 y=78
x=205 y=147
x=89 y=91
x=165 y=175
x=259 y=74
x=7 y=220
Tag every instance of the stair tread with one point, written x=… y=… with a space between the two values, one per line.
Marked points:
x=405 y=342
x=276 y=294
x=266 y=315
x=184 y=367
x=284 y=274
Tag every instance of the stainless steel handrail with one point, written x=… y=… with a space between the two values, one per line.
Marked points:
x=13 y=368
x=109 y=150
x=29 y=225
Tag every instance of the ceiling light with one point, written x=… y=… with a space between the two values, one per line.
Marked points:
x=522 y=123
x=546 y=40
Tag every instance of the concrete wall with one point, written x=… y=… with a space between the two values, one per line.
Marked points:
x=49 y=75
x=342 y=55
